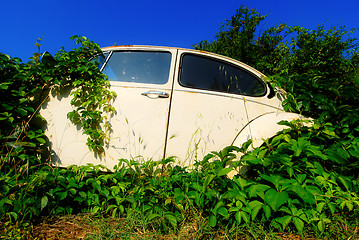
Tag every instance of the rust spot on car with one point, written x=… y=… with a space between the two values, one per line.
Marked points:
x=123 y=45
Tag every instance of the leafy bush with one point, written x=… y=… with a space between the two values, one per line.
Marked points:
x=25 y=87
x=289 y=184
x=317 y=68
x=319 y=71
x=283 y=50
x=24 y=151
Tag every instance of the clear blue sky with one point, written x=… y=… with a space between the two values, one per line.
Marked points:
x=165 y=23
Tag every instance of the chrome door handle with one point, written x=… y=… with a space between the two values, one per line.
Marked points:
x=155 y=94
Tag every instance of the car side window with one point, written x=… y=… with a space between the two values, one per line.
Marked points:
x=210 y=74
x=99 y=59
x=139 y=66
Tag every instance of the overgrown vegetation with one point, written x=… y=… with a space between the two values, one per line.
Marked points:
x=301 y=180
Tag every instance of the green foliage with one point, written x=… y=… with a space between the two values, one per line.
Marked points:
x=25 y=87
x=25 y=178
x=284 y=50
x=293 y=183
x=318 y=69
x=238 y=31
x=297 y=59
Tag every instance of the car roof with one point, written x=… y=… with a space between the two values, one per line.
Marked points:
x=154 y=48
x=163 y=48
x=149 y=47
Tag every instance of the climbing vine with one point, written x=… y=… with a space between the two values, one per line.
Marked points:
x=25 y=87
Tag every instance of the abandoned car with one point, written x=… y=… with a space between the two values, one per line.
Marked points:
x=171 y=102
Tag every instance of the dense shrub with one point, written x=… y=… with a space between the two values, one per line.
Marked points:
x=317 y=68
x=26 y=86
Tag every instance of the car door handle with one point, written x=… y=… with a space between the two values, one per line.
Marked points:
x=155 y=94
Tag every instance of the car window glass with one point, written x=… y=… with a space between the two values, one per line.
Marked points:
x=210 y=74
x=139 y=66
x=100 y=59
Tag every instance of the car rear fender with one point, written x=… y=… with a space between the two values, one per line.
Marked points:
x=264 y=127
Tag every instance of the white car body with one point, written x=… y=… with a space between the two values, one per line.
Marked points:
x=169 y=118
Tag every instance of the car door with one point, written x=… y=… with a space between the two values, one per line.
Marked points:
x=213 y=99
x=142 y=78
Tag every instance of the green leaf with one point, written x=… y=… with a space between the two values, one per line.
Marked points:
x=12 y=214
x=320 y=206
x=319 y=169
x=301 y=177
x=61 y=179
x=354 y=151
x=251 y=159
x=245 y=216
x=44 y=201
x=257 y=190
x=95 y=209
x=153 y=216
x=212 y=220
x=305 y=195
x=316 y=151
x=4 y=85
x=346 y=183
x=330 y=133
x=96 y=186
x=238 y=217
x=241 y=182
x=105 y=193
x=236 y=194
x=321 y=226
x=223 y=212
x=275 y=199
x=298 y=146
x=338 y=155
x=3 y=201
x=172 y=219
x=21 y=111
x=72 y=191
x=255 y=207
x=224 y=171
x=267 y=211
x=41 y=140
x=207 y=181
x=218 y=205
x=284 y=221
x=62 y=195
x=83 y=194
x=299 y=224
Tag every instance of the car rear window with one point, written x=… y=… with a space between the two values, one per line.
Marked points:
x=138 y=66
x=212 y=74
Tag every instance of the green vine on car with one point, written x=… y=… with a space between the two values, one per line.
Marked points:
x=25 y=87
x=91 y=95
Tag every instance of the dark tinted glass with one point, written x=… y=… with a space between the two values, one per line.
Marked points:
x=141 y=67
x=206 y=73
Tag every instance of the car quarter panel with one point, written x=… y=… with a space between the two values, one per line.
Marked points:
x=204 y=120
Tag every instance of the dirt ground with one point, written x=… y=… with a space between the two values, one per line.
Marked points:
x=83 y=226
x=69 y=227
